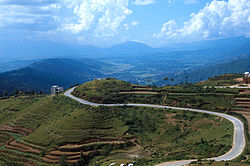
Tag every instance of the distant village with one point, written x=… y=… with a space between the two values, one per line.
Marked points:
x=56 y=90
x=246 y=78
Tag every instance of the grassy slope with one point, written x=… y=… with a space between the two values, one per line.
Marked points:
x=149 y=133
x=103 y=91
x=222 y=80
x=191 y=95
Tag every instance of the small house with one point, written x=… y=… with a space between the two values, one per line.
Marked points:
x=246 y=78
x=56 y=90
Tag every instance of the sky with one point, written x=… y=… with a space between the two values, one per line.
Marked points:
x=107 y=22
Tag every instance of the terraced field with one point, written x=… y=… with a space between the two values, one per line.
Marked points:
x=188 y=96
x=52 y=130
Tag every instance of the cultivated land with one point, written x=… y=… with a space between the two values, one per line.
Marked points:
x=42 y=129
x=203 y=95
x=238 y=140
x=48 y=130
x=189 y=95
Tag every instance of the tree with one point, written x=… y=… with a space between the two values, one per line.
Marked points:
x=186 y=79
x=63 y=161
x=5 y=93
x=16 y=92
x=166 y=79
x=83 y=160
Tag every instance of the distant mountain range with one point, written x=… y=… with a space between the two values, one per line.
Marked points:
x=30 y=50
x=40 y=76
x=240 y=65
x=227 y=43
x=131 y=61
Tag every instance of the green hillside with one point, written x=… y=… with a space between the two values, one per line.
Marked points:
x=48 y=130
x=239 y=65
x=191 y=95
x=222 y=80
x=103 y=91
x=41 y=75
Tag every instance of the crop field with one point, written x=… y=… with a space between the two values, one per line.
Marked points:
x=53 y=130
x=190 y=95
x=223 y=80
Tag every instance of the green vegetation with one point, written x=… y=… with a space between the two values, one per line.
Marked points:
x=233 y=66
x=190 y=95
x=57 y=129
x=51 y=130
x=103 y=91
x=222 y=80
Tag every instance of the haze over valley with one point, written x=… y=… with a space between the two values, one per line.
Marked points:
x=124 y=82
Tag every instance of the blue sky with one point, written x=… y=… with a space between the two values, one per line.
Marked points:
x=107 y=22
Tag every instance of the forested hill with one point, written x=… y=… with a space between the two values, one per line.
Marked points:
x=236 y=66
x=40 y=76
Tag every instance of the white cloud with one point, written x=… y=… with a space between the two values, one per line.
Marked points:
x=217 y=19
x=85 y=19
x=34 y=15
x=168 y=29
x=103 y=18
x=143 y=2
x=132 y=24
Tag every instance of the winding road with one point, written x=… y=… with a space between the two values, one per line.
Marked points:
x=239 y=135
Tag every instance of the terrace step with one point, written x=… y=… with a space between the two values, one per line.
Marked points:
x=17 y=129
x=242 y=99
x=79 y=146
x=243 y=102
x=59 y=153
x=22 y=148
x=34 y=146
x=243 y=105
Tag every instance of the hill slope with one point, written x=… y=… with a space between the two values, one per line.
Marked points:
x=240 y=65
x=44 y=130
x=43 y=74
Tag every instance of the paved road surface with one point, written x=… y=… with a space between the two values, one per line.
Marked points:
x=238 y=141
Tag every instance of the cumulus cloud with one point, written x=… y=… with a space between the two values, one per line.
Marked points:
x=143 y=2
x=216 y=19
x=103 y=18
x=84 y=19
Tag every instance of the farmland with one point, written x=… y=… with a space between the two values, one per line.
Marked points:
x=49 y=130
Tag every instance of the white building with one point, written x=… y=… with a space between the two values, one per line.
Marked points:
x=56 y=90
x=246 y=78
